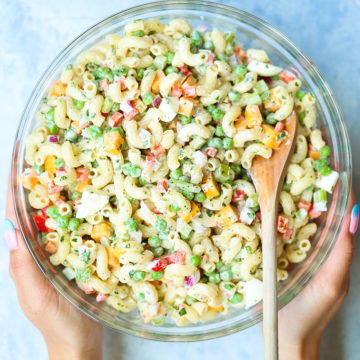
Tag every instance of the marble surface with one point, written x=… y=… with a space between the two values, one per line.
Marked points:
x=32 y=32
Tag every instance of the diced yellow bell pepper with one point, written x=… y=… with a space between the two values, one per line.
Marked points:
x=253 y=116
x=139 y=105
x=274 y=103
x=209 y=187
x=269 y=137
x=186 y=106
x=29 y=179
x=112 y=140
x=113 y=255
x=195 y=211
x=159 y=77
x=82 y=184
x=190 y=81
x=49 y=164
x=240 y=123
x=100 y=231
x=58 y=89
x=226 y=216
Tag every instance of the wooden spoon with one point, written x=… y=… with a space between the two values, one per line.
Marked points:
x=268 y=176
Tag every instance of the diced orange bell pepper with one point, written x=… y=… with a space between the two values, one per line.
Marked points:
x=253 y=116
x=240 y=123
x=59 y=89
x=274 y=103
x=82 y=184
x=51 y=247
x=49 y=164
x=159 y=77
x=76 y=125
x=100 y=231
x=209 y=187
x=190 y=81
x=226 y=216
x=313 y=153
x=112 y=140
x=195 y=211
x=139 y=105
x=113 y=255
x=186 y=106
x=269 y=137
x=216 y=308
x=29 y=179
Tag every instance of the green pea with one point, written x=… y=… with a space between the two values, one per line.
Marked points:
x=52 y=212
x=142 y=181
x=185 y=119
x=175 y=207
x=59 y=163
x=140 y=74
x=240 y=69
x=126 y=168
x=236 y=168
x=227 y=143
x=39 y=168
x=200 y=197
x=223 y=57
x=219 y=131
x=79 y=104
x=154 y=241
x=176 y=174
x=226 y=275
x=189 y=195
x=70 y=134
x=219 y=265
x=156 y=275
x=73 y=224
x=215 y=142
x=214 y=278
x=160 y=224
x=217 y=114
x=169 y=57
x=195 y=260
x=76 y=195
x=184 y=179
x=171 y=69
x=229 y=49
x=139 y=275
x=62 y=221
x=222 y=173
x=122 y=71
x=196 y=38
x=211 y=108
x=209 y=45
x=325 y=151
x=325 y=170
x=318 y=164
x=158 y=251
x=138 y=33
x=115 y=107
x=234 y=96
x=53 y=128
x=94 y=131
x=270 y=119
x=152 y=67
x=300 y=94
x=193 y=48
x=50 y=115
x=131 y=225
x=135 y=171
x=236 y=298
x=229 y=37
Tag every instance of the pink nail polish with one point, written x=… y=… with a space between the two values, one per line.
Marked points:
x=10 y=235
x=354 y=221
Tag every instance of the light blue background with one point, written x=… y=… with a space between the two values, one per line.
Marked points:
x=32 y=32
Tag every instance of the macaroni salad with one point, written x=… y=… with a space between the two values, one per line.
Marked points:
x=137 y=173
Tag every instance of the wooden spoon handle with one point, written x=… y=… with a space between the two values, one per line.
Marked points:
x=270 y=308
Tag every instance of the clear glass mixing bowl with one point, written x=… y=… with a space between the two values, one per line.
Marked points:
x=251 y=32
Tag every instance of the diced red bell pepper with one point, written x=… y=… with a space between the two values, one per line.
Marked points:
x=60 y=172
x=40 y=222
x=131 y=114
x=185 y=71
x=159 y=265
x=190 y=91
x=104 y=84
x=177 y=257
x=279 y=127
x=88 y=289
x=238 y=195
x=288 y=234
x=286 y=76
x=210 y=151
x=150 y=161
x=282 y=224
x=303 y=204
x=162 y=186
x=51 y=247
x=82 y=173
x=313 y=214
x=100 y=297
x=176 y=91
x=240 y=53
x=43 y=211
x=53 y=188
x=115 y=118
x=157 y=150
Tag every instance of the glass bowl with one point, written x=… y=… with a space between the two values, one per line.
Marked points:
x=251 y=32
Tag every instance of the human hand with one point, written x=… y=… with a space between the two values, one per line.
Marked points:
x=68 y=333
x=303 y=320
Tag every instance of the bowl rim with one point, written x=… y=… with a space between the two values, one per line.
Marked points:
x=91 y=30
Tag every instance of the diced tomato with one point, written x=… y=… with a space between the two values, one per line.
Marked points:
x=162 y=186
x=286 y=76
x=115 y=118
x=210 y=59
x=210 y=151
x=100 y=297
x=185 y=70
x=150 y=161
x=53 y=188
x=238 y=195
x=279 y=127
x=104 y=84
x=240 y=53
x=303 y=204
x=257 y=217
x=43 y=211
x=157 y=150
x=159 y=265
x=313 y=214
x=40 y=222
x=190 y=91
x=288 y=234
x=88 y=289
x=177 y=257
x=82 y=173
x=60 y=172
x=51 y=247
x=176 y=91
x=282 y=224
x=131 y=114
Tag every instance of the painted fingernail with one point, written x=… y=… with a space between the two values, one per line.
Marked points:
x=10 y=235
x=354 y=221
